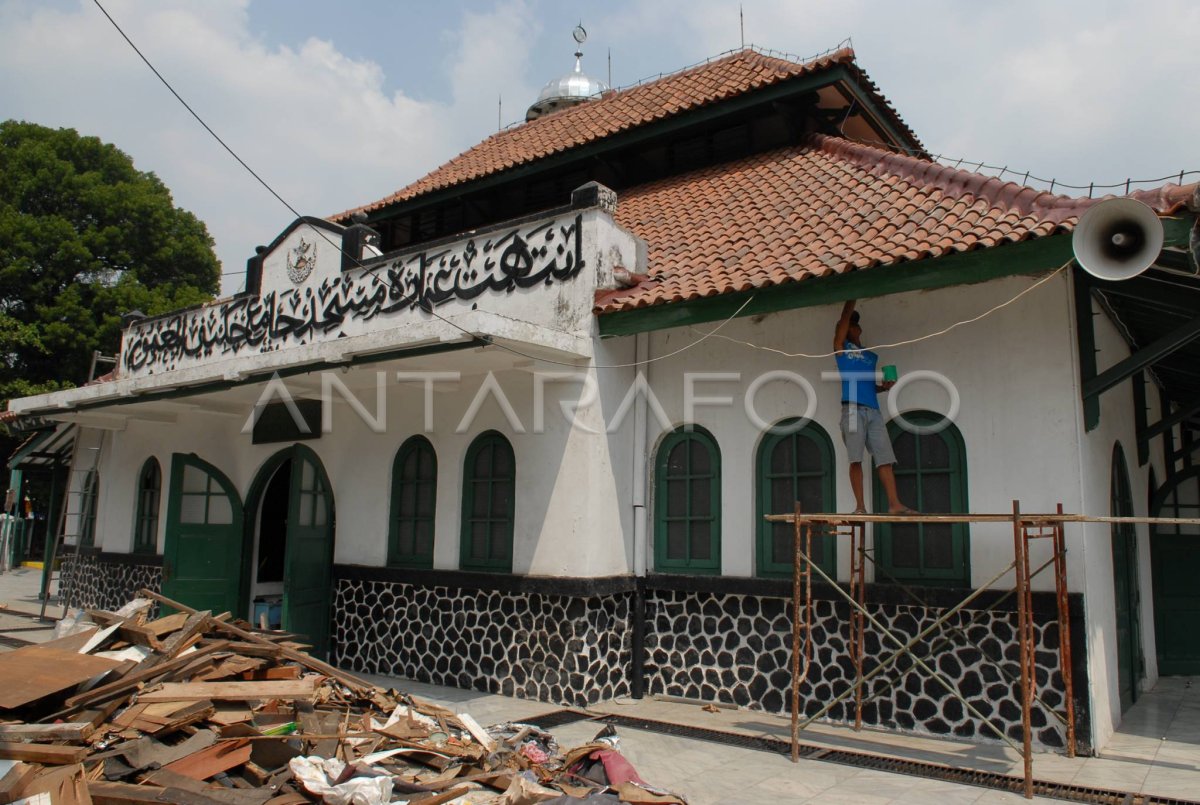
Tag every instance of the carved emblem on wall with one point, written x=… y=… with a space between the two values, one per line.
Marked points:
x=301 y=261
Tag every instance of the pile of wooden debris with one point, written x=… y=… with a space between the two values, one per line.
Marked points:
x=201 y=709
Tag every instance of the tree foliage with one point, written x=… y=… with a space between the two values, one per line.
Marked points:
x=84 y=238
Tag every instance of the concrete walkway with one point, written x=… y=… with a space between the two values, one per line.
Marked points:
x=1156 y=751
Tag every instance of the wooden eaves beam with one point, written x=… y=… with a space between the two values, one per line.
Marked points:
x=1147 y=356
x=1182 y=414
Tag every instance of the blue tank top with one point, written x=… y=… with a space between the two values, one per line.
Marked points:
x=857 y=368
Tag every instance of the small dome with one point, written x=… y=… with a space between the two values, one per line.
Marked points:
x=574 y=87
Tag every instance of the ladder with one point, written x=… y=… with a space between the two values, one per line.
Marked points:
x=80 y=486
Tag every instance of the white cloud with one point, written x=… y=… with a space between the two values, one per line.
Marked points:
x=1077 y=89
x=315 y=124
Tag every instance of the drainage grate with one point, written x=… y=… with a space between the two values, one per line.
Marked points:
x=866 y=760
x=556 y=718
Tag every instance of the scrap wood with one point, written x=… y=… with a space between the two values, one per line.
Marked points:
x=146 y=670
x=167 y=624
x=64 y=785
x=346 y=679
x=16 y=775
x=70 y=731
x=34 y=672
x=215 y=759
x=46 y=754
x=232 y=796
x=234 y=691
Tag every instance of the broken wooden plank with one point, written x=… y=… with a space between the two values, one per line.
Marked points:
x=71 y=731
x=171 y=779
x=350 y=680
x=215 y=759
x=234 y=691
x=15 y=778
x=46 y=754
x=477 y=732
x=130 y=681
x=33 y=672
x=167 y=624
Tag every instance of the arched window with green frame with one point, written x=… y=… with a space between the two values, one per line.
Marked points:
x=931 y=476
x=687 y=503
x=145 y=518
x=414 y=498
x=489 y=490
x=795 y=463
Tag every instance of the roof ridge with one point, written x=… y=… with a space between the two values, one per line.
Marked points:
x=956 y=182
x=510 y=138
x=998 y=193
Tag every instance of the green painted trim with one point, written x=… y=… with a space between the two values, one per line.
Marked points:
x=16 y=458
x=814 y=433
x=140 y=542
x=960 y=532
x=662 y=564
x=1027 y=257
x=179 y=461
x=416 y=559
x=1147 y=356
x=660 y=129
x=1139 y=417
x=504 y=564
x=1085 y=337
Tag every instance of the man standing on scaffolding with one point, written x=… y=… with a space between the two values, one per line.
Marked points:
x=862 y=423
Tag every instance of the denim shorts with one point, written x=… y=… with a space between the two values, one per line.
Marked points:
x=863 y=427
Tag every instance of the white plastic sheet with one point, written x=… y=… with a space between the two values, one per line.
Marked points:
x=317 y=773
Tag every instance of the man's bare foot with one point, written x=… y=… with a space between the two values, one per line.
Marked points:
x=901 y=509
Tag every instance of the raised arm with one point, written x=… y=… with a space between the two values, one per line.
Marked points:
x=843 y=325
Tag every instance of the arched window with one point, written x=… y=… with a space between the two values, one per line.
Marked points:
x=88 y=501
x=687 y=503
x=931 y=476
x=145 y=518
x=793 y=465
x=489 y=488
x=414 y=493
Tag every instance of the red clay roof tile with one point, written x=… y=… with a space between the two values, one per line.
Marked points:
x=736 y=74
x=834 y=206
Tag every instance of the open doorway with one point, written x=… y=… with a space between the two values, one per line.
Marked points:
x=270 y=548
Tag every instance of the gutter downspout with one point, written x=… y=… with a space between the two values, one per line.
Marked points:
x=637 y=671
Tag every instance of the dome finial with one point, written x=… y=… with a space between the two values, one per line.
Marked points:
x=573 y=88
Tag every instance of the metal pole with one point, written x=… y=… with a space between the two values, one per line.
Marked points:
x=932 y=672
x=1023 y=641
x=858 y=548
x=796 y=636
x=1064 y=630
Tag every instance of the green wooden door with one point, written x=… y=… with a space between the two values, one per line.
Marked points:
x=1125 y=584
x=202 y=553
x=1175 y=567
x=307 y=587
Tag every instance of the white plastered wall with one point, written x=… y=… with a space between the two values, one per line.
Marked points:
x=1010 y=371
x=1117 y=424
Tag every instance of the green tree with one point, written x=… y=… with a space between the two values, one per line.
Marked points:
x=84 y=238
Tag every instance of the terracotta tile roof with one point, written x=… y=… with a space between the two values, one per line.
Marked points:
x=827 y=206
x=741 y=72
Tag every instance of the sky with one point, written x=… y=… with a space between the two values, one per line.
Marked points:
x=336 y=104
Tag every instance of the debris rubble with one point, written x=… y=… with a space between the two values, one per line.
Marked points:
x=203 y=709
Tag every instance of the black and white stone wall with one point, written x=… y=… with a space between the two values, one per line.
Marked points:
x=712 y=644
x=737 y=649
x=105 y=581
x=554 y=648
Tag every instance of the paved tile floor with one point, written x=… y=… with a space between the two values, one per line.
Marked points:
x=1156 y=751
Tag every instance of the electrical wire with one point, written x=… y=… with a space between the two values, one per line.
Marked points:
x=370 y=272
x=908 y=341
